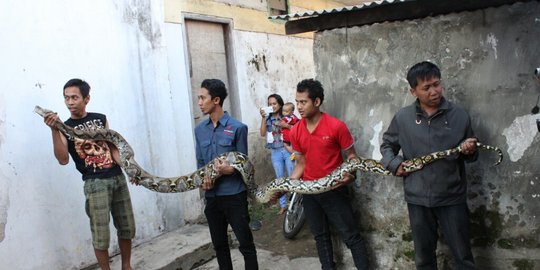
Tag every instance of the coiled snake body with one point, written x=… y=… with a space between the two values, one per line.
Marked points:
x=243 y=165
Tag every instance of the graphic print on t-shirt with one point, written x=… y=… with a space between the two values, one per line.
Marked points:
x=94 y=153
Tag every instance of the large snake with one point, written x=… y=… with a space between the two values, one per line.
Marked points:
x=243 y=165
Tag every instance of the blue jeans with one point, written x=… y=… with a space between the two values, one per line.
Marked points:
x=283 y=167
x=454 y=222
x=333 y=207
x=233 y=209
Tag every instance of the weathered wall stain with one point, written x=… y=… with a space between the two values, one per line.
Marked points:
x=259 y=62
x=139 y=12
x=491 y=41
x=520 y=135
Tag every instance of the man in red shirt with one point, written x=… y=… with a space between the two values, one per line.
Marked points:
x=318 y=141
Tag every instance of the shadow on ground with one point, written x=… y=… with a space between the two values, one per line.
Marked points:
x=270 y=236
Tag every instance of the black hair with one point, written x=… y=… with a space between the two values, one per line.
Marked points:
x=313 y=87
x=422 y=71
x=83 y=86
x=216 y=88
x=279 y=101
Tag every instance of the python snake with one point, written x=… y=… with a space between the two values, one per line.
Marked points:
x=243 y=165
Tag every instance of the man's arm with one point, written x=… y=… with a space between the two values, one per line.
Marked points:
x=241 y=139
x=298 y=170
x=350 y=153
x=198 y=153
x=468 y=146
x=206 y=184
x=390 y=149
x=60 y=147
x=348 y=177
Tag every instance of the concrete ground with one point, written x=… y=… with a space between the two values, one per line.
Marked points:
x=267 y=261
x=190 y=248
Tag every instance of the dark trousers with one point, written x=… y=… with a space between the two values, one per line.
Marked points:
x=221 y=211
x=454 y=222
x=333 y=207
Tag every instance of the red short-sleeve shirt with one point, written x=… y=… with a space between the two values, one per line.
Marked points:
x=321 y=148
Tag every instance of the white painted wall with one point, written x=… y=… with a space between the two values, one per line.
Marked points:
x=135 y=65
x=287 y=61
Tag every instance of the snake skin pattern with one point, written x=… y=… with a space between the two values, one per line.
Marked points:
x=243 y=165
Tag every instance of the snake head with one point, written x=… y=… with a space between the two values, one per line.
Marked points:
x=41 y=111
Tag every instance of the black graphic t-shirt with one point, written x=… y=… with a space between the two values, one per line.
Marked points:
x=92 y=158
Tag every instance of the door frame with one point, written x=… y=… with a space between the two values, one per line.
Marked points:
x=232 y=74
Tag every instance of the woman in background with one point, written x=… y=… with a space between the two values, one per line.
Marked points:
x=271 y=128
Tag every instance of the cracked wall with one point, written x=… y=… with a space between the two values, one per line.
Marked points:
x=141 y=14
x=487 y=58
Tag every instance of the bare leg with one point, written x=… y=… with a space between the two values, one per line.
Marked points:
x=102 y=257
x=125 y=253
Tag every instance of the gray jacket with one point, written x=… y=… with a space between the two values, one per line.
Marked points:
x=415 y=134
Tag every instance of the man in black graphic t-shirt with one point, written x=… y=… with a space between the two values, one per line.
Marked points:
x=105 y=186
x=92 y=158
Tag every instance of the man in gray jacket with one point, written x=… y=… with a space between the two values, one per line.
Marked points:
x=435 y=195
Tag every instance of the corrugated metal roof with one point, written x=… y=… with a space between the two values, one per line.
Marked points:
x=312 y=13
x=380 y=11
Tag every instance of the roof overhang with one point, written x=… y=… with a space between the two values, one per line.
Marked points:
x=381 y=11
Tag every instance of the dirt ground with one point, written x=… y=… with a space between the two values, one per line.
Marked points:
x=270 y=236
